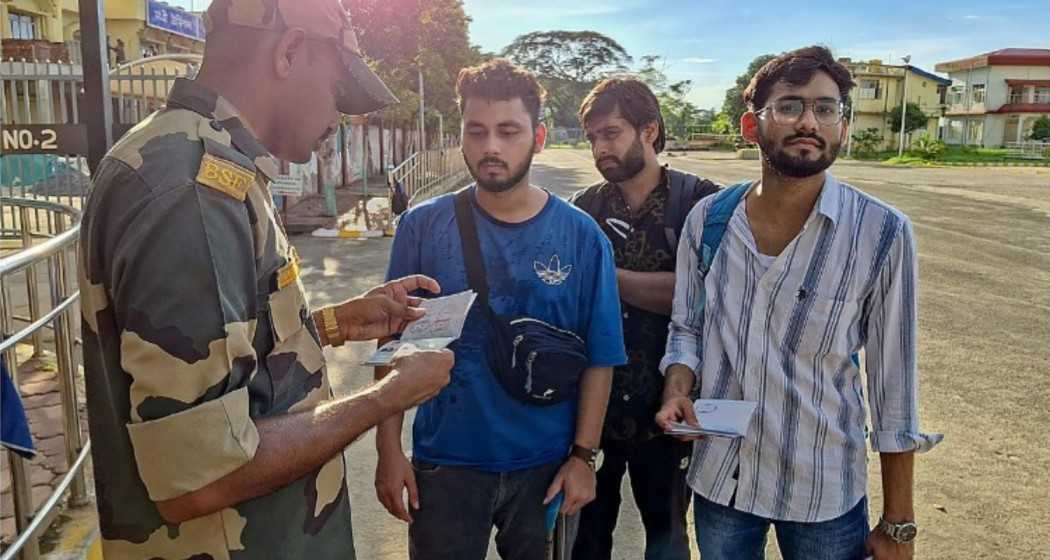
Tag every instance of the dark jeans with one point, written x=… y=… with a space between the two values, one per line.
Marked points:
x=657 y=468
x=459 y=507
x=724 y=533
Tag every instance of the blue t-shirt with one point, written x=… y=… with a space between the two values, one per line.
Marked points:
x=557 y=267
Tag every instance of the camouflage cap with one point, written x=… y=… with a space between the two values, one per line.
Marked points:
x=322 y=19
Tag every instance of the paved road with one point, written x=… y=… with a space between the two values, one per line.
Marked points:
x=984 y=247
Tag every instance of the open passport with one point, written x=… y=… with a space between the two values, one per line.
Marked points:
x=442 y=324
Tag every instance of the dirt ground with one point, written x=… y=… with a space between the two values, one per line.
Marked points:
x=984 y=355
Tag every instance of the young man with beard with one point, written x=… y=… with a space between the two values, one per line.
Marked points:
x=482 y=458
x=640 y=206
x=808 y=272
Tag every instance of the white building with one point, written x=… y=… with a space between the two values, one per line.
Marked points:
x=996 y=97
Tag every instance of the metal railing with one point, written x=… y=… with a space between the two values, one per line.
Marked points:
x=49 y=242
x=1035 y=97
x=431 y=173
x=1028 y=150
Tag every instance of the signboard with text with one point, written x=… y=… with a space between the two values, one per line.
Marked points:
x=287 y=185
x=174 y=20
x=54 y=139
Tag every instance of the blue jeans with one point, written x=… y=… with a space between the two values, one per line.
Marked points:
x=724 y=533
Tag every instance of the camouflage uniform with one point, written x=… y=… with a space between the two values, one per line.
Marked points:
x=195 y=326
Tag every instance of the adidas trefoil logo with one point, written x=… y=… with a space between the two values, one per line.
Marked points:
x=553 y=273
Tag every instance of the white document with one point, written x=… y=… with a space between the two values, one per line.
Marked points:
x=442 y=325
x=719 y=418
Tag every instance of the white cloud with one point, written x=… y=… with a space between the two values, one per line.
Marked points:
x=698 y=60
x=972 y=16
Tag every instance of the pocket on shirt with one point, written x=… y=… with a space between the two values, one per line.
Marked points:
x=827 y=325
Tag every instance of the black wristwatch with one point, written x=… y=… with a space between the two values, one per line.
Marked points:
x=901 y=533
x=586 y=454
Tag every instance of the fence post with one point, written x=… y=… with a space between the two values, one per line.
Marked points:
x=31 y=279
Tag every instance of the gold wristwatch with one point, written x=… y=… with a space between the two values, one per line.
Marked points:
x=331 y=327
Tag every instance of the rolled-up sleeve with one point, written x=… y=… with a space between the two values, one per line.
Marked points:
x=890 y=352
x=184 y=292
x=687 y=313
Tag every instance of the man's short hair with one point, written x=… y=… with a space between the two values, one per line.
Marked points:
x=637 y=103
x=797 y=68
x=501 y=80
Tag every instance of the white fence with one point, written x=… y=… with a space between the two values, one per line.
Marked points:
x=1028 y=150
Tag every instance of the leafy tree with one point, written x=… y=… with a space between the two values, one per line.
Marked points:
x=722 y=124
x=401 y=36
x=733 y=107
x=915 y=119
x=679 y=114
x=866 y=142
x=568 y=64
x=1041 y=129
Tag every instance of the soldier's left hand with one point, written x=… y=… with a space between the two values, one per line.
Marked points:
x=384 y=310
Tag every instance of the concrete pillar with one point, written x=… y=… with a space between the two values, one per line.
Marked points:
x=1020 y=129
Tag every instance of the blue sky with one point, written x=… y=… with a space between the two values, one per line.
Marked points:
x=712 y=41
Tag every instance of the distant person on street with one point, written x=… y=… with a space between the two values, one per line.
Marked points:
x=214 y=430
x=521 y=420
x=641 y=206
x=781 y=282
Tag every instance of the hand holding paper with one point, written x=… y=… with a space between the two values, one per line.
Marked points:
x=717 y=417
x=442 y=324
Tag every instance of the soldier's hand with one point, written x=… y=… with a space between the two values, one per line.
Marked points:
x=417 y=376
x=394 y=476
x=376 y=316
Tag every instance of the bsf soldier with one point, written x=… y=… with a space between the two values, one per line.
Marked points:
x=215 y=432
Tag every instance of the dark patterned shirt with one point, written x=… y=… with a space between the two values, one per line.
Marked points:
x=639 y=244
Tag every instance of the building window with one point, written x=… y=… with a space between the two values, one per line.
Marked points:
x=1042 y=95
x=978 y=93
x=976 y=132
x=869 y=89
x=955 y=94
x=23 y=26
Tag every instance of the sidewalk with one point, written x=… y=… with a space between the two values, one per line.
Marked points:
x=308 y=213
x=38 y=386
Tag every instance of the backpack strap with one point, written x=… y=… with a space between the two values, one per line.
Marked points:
x=682 y=189
x=468 y=238
x=715 y=222
x=589 y=200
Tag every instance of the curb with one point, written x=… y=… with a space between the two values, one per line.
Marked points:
x=78 y=537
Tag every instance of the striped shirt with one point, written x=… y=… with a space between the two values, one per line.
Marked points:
x=787 y=337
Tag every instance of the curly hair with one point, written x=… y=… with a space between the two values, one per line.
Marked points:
x=501 y=80
x=797 y=68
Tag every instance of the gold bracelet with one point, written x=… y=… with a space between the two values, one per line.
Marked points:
x=331 y=327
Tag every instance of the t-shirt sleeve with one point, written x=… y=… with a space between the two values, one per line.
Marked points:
x=604 y=330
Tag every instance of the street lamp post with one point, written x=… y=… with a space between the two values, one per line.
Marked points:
x=904 y=105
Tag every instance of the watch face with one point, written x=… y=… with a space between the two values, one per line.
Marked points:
x=906 y=533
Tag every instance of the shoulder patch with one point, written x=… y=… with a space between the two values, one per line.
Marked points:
x=225 y=176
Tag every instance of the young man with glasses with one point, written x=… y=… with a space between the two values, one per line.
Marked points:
x=808 y=272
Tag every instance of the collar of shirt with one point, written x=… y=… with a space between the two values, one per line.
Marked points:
x=829 y=205
x=614 y=192
x=189 y=94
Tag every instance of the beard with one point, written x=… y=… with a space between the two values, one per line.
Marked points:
x=798 y=166
x=631 y=165
x=496 y=185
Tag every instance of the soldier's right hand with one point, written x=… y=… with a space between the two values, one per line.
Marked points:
x=417 y=376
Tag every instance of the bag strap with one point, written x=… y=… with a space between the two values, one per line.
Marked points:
x=715 y=222
x=682 y=188
x=468 y=238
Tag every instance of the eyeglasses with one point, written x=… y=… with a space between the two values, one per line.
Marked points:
x=789 y=111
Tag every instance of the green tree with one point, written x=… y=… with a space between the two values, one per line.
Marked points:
x=722 y=124
x=914 y=119
x=866 y=142
x=568 y=63
x=401 y=36
x=680 y=115
x=1041 y=129
x=733 y=107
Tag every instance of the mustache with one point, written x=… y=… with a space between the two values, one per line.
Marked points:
x=492 y=161
x=820 y=141
x=611 y=159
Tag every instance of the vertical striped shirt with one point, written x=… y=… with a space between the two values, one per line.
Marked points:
x=787 y=336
